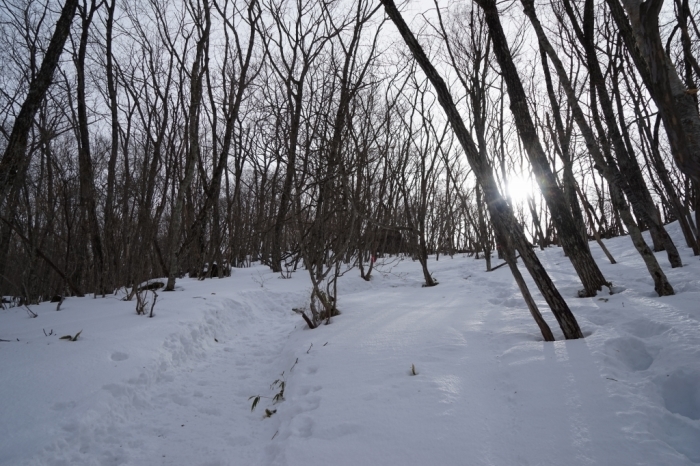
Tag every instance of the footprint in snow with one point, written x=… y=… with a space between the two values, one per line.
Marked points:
x=119 y=356
x=341 y=430
x=631 y=352
x=210 y=410
x=681 y=393
x=62 y=406
x=303 y=425
x=645 y=328
x=180 y=400
x=306 y=390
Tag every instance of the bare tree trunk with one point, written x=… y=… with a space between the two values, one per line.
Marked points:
x=609 y=171
x=231 y=110
x=14 y=159
x=87 y=176
x=657 y=162
x=501 y=214
x=643 y=204
x=483 y=231
x=569 y=182
x=661 y=284
x=197 y=75
x=574 y=245
x=109 y=225
x=596 y=235
x=678 y=110
x=512 y=262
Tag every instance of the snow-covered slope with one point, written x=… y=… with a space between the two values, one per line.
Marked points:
x=488 y=391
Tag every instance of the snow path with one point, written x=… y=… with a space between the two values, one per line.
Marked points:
x=188 y=405
x=174 y=390
x=203 y=397
x=489 y=391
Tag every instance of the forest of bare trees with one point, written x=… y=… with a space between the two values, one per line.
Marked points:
x=158 y=138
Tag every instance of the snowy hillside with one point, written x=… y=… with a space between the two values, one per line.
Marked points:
x=175 y=389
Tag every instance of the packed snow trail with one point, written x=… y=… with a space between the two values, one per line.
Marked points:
x=198 y=414
x=489 y=391
x=184 y=401
x=175 y=389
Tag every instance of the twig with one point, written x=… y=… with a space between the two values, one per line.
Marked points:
x=77 y=291
x=31 y=313
x=505 y=263
x=155 y=297
x=307 y=351
x=308 y=321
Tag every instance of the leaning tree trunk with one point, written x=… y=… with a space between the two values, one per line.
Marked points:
x=679 y=113
x=511 y=260
x=501 y=214
x=574 y=245
x=609 y=171
x=643 y=205
x=564 y=138
x=14 y=159
x=661 y=284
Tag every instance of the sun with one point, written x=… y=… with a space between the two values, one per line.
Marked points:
x=520 y=187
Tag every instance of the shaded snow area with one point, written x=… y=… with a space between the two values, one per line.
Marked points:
x=174 y=389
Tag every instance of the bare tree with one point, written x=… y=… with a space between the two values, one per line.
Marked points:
x=679 y=112
x=14 y=160
x=575 y=246
x=609 y=170
x=504 y=223
x=201 y=15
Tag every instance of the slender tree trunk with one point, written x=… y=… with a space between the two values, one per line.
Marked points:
x=569 y=182
x=596 y=235
x=609 y=171
x=197 y=75
x=501 y=214
x=276 y=246
x=643 y=205
x=574 y=245
x=483 y=231
x=661 y=284
x=512 y=262
x=109 y=224
x=14 y=159
x=87 y=176
x=640 y=31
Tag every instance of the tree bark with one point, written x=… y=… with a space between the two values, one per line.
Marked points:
x=640 y=31
x=109 y=224
x=196 y=84
x=501 y=215
x=512 y=262
x=87 y=176
x=14 y=160
x=643 y=204
x=574 y=245
x=609 y=171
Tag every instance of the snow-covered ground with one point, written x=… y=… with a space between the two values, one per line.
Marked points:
x=175 y=389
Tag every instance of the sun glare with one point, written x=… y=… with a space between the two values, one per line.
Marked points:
x=520 y=187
